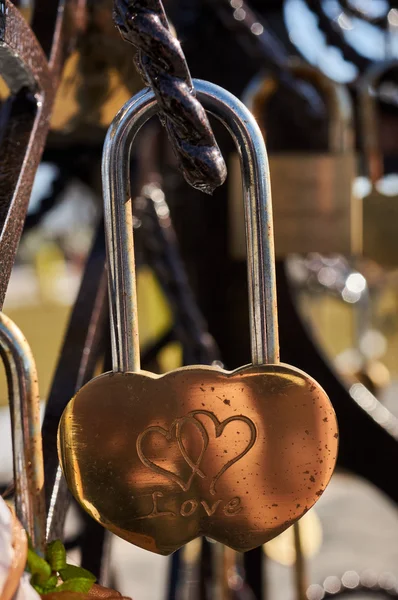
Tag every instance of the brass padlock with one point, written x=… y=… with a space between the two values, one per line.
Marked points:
x=313 y=202
x=26 y=431
x=162 y=459
x=380 y=211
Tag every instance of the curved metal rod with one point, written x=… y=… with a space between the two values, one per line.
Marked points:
x=258 y=215
x=24 y=400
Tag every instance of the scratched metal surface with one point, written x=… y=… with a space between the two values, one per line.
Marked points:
x=31 y=64
x=359 y=527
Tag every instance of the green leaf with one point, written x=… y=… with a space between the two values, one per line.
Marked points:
x=56 y=555
x=52 y=583
x=38 y=567
x=79 y=585
x=38 y=588
x=44 y=587
x=72 y=572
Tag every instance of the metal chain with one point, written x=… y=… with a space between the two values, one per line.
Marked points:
x=162 y=65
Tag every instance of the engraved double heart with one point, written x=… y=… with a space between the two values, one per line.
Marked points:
x=177 y=428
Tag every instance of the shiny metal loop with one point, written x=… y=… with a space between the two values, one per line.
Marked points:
x=26 y=431
x=368 y=117
x=258 y=216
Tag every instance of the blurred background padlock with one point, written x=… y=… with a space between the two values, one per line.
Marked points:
x=315 y=209
x=380 y=204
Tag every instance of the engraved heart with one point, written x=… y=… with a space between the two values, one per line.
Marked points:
x=177 y=425
x=236 y=456
x=219 y=427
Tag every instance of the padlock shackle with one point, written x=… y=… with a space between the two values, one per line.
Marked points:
x=24 y=400
x=338 y=102
x=367 y=105
x=119 y=223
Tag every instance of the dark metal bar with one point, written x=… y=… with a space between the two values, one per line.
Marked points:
x=82 y=348
x=254 y=572
x=161 y=251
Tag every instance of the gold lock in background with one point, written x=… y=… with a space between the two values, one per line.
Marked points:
x=313 y=202
x=380 y=204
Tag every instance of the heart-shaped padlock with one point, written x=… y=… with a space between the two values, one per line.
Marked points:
x=236 y=456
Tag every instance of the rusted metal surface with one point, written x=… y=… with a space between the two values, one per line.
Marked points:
x=24 y=397
x=31 y=67
x=162 y=64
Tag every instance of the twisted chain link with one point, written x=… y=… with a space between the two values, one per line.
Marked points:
x=162 y=65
